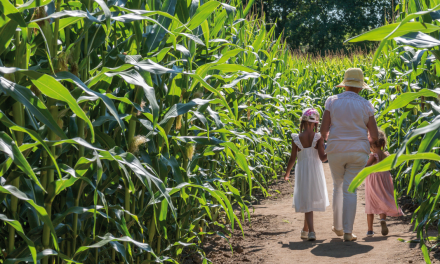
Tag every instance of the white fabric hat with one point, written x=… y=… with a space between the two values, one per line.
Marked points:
x=310 y=115
x=354 y=77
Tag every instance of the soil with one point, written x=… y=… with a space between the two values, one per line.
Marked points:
x=273 y=235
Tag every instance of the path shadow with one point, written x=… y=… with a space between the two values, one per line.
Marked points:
x=266 y=233
x=302 y=245
x=375 y=239
x=339 y=249
x=335 y=248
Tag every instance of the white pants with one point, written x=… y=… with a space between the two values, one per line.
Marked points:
x=344 y=167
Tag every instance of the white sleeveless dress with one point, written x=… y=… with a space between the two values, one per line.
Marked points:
x=310 y=191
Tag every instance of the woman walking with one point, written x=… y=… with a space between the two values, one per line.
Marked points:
x=348 y=118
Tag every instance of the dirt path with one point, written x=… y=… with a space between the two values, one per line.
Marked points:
x=273 y=236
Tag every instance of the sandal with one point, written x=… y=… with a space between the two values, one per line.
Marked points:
x=350 y=237
x=312 y=236
x=338 y=232
x=304 y=234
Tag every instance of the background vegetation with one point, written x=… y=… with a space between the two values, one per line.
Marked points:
x=319 y=27
x=130 y=130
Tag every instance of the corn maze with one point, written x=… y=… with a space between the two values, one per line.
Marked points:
x=129 y=129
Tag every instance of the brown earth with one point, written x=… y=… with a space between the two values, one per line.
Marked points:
x=273 y=236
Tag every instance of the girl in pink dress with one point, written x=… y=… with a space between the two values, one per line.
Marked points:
x=379 y=189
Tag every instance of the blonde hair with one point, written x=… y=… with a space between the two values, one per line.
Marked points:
x=302 y=125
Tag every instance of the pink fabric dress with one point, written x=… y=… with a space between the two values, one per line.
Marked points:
x=379 y=193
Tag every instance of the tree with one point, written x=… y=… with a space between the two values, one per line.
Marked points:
x=319 y=26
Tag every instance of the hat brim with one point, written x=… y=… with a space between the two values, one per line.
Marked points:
x=356 y=84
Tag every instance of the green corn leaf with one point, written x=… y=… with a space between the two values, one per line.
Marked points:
x=248 y=7
x=422 y=129
x=95 y=195
x=425 y=253
x=33 y=4
x=107 y=101
x=19 y=229
x=241 y=161
x=386 y=165
x=9 y=10
x=406 y=98
x=402 y=23
x=8 y=146
x=42 y=254
x=30 y=101
x=429 y=140
x=77 y=210
x=109 y=238
x=203 y=12
x=7 y=32
x=381 y=33
x=399 y=131
x=133 y=77
x=42 y=213
x=34 y=135
x=231 y=68
x=50 y=87
x=157 y=35
x=205 y=29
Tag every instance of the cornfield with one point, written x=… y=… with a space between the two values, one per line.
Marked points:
x=133 y=129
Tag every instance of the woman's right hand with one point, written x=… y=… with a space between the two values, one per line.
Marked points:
x=286 y=177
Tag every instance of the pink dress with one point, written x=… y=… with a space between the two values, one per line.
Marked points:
x=379 y=193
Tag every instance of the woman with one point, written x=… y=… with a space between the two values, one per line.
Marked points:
x=348 y=118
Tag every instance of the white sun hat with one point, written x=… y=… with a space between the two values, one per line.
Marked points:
x=354 y=77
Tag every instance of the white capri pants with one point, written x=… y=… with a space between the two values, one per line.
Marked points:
x=344 y=167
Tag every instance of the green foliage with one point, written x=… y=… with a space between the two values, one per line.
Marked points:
x=320 y=27
x=130 y=129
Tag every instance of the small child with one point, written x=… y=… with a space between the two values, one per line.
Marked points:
x=310 y=191
x=379 y=189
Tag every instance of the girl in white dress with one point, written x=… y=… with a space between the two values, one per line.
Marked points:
x=310 y=192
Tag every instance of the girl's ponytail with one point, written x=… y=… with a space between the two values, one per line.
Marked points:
x=382 y=140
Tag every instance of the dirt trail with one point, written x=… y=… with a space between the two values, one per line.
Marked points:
x=273 y=236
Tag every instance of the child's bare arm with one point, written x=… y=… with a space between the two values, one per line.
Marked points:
x=370 y=161
x=321 y=150
x=291 y=161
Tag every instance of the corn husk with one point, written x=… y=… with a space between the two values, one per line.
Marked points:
x=136 y=143
x=179 y=122
x=190 y=151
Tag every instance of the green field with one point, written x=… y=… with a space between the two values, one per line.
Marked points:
x=131 y=129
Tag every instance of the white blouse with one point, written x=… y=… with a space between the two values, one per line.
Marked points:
x=349 y=114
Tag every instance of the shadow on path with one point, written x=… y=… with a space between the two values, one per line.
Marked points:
x=334 y=249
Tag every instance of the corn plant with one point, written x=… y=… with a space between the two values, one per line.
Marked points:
x=129 y=129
